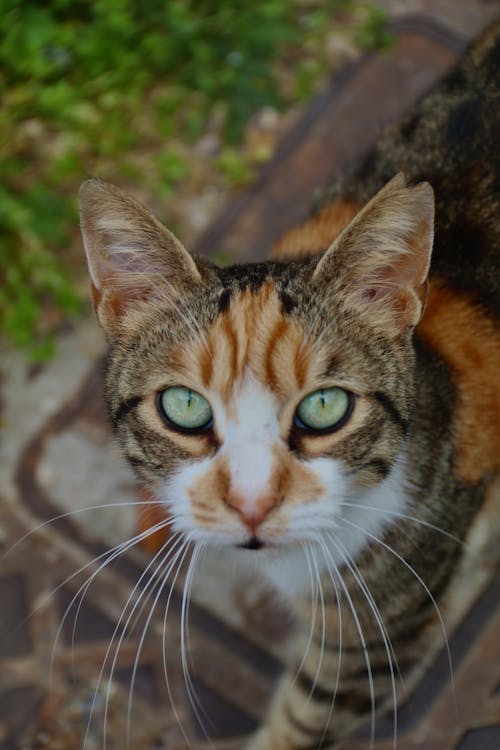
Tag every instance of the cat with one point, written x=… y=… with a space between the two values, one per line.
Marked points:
x=331 y=415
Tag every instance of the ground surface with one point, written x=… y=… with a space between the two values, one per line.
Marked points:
x=57 y=457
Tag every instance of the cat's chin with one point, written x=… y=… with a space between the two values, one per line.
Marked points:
x=281 y=565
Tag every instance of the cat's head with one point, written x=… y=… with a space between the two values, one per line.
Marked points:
x=257 y=400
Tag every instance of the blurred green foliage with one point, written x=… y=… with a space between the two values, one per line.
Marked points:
x=86 y=85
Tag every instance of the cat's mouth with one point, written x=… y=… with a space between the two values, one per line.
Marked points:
x=252 y=543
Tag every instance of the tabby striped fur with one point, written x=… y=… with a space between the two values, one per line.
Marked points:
x=372 y=515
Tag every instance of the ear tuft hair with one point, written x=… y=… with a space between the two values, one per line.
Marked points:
x=131 y=256
x=381 y=259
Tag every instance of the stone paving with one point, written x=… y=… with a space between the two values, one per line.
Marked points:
x=61 y=684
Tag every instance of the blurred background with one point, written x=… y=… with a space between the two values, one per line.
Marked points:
x=223 y=118
x=181 y=101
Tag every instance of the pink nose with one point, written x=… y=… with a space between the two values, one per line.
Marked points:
x=252 y=512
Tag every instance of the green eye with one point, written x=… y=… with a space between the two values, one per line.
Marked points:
x=184 y=408
x=324 y=409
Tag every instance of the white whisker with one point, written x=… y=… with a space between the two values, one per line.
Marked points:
x=110 y=555
x=314 y=604
x=339 y=662
x=362 y=639
x=77 y=511
x=115 y=632
x=391 y=656
x=180 y=553
x=427 y=591
x=164 y=657
x=323 y=628
x=405 y=517
x=193 y=697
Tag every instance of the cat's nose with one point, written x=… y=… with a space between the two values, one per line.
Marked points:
x=252 y=511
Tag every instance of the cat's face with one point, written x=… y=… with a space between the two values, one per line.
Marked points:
x=258 y=401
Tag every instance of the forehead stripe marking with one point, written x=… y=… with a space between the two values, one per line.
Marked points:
x=232 y=340
x=224 y=300
x=287 y=301
x=206 y=364
x=277 y=334
x=301 y=362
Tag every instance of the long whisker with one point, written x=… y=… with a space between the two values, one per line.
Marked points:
x=192 y=695
x=165 y=669
x=314 y=604
x=391 y=656
x=338 y=599
x=406 y=517
x=323 y=628
x=116 y=630
x=354 y=568
x=182 y=552
x=359 y=628
x=427 y=591
x=109 y=556
x=156 y=574
x=154 y=582
x=158 y=580
x=82 y=592
x=75 y=512
x=200 y=549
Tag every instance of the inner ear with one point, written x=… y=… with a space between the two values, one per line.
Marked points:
x=132 y=257
x=381 y=260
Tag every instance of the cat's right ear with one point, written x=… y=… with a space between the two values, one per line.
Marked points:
x=132 y=257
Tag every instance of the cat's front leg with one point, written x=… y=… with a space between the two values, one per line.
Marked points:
x=284 y=730
x=297 y=721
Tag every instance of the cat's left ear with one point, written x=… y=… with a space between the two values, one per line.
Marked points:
x=379 y=263
x=133 y=259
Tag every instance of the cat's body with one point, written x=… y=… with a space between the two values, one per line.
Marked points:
x=220 y=382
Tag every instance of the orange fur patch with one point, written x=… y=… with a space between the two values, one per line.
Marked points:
x=213 y=496
x=149 y=515
x=298 y=481
x=317 y=233
x=469 y=343
x=208 y=494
